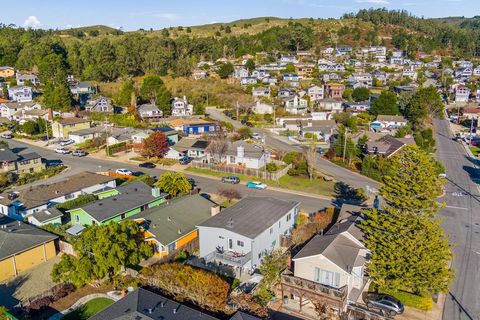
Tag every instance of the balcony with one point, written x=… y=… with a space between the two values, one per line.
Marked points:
x=230 y=258
x=337 y=294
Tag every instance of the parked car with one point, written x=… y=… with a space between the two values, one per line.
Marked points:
x=233 y=118
x=62 y=150
x=54 y=163
x=320 y=150
x=79 y=153
x=256 y=185
x=149 y=165
x=442 y=175
x=66 y=142
x=256 y=136
x=192 y=182
x=231 y=179
x=185 y=160
x=385 y=303
x=249 y=124
x=243 y=121
x=205 y=195
x=124 y=172
x=6 y=136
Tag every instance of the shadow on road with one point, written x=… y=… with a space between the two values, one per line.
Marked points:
x=466 y=192
x=473 y=173
x=460 y=307
x=474 y=161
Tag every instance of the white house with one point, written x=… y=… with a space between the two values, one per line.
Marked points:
x=100 y=104
x=20 y=93
x=23 y=79
x=261 y=92
x=462 y=94
x=333 y=105
x=295 y=105
x=12 y=110
x=389 y=122
x=181 y=107
x=263 y=108
x=243 y=154
x=362 y=77
x=241 y=235
x=316 y=92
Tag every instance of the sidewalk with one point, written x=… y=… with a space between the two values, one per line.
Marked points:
x=415 y=314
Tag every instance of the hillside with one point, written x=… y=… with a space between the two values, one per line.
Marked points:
x=95 y=30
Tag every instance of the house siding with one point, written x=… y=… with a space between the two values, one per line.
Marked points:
x=305 y=268
x=156 y=203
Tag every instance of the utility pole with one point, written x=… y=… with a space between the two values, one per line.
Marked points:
x=471 y=132
x=237 y=109
x=46 y=127
x=344 y=144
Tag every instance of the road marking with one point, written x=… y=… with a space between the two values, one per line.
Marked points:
x=459 y=208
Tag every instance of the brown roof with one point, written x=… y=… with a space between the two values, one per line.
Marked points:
x=471 y=110
x=67 y=121
x=38 y=195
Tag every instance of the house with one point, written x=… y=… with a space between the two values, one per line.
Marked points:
x=388 y=122
x=333 y=105
x=328 y=51
x=361 y=77
x=33 y=114
x=78 y=88
x=286 y=92
x=335 y=90
x=27 y=79
x=322 y=129
x=295 y=104
x=48 y=216
x=100 y=104
x=463 y=72
x=118 y=135
x=173 y=225
x=330 y=268
x=245 y=81
x=471 y=113
x=23 y=247
x=344 y=50
x=240 y=153
x=169 y=132
x=22 y=203
x=476 y=71
x=198 y=149
x=286 y=59
x=305 y=71
x=128 y=200
x=380 y=76
x=387 y=146
x=180 y=149
x=290 y=77
x=150 y=112
x=12 y=110
x=361 y=106
x=261 y=92
x=241 y=235
x=62 y=127
x=7 y=72
x=181 y=107
x=193 y=126
x=462 y=94
x=142 y=304
x=82 y=135
x=316 y=92
x=263 y=108
x=331 y=77
x=20 y=93
x=20 y=163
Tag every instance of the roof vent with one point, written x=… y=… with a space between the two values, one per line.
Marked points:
x=230 y=223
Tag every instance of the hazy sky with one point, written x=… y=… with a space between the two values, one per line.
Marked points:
x=135 y=14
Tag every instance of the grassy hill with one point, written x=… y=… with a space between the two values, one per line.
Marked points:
x=95 y=30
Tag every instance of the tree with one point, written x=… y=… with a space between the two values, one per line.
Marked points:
x=250 y=65
x=425 y=103
x=173 y=183
x=101 y=252
x=412 y=182
x=408 y=251
x=225 y=70
x=154 y=90
x=30 y=127
x=425 y=140
x=270 y=269
x=217 y=147
x=361 y=94
x=347 y=94
x=385 y=104
x=230 y=194
x=155 y=145
x=289 y=68
x=125 y=93
x=244 y=133
x=345 y=149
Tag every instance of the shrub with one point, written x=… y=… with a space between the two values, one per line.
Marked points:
x=291 y=157
x=271 y=167
x=293 y=172
x=80 y=201
x=422 y=301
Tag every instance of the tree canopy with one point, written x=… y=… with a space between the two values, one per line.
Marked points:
x=155 y=145
x=385 y=104
x=173 y=183
x=153 y=89
x=361 y=94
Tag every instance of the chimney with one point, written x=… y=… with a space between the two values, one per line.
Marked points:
x=155 y=192
x=214 y=210
x=240 y=151
x=50 y=114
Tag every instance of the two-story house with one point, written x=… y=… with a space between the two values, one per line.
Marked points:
x=20 y=93
x=316 y=92
x=10 y=110
x=462 y=94
x=20 y=163
x=27 y=78
x=79 y=88
x=241 y=235
x=150 y=112
x=62 y=127
x=100 y=104
x=295 y=104
x=335 y=90
x=181 y=107
x=333 y=105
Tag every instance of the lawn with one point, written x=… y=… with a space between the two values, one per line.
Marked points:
x=475 y=151
x=89 y=309
x=303 y=184
x=423 y=301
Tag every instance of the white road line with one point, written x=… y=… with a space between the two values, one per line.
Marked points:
x=459 y=208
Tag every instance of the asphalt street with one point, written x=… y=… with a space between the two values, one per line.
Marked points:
x=462 y=223
x=206 y=185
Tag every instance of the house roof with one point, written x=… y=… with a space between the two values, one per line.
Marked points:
x=385 y=118
x=7 y=155
x=70 y=121
x=239 y=315
x=251 y=150
x=175 y=219
x=200 y=144
x=41 y=194
x=129 y=197
x=47 y=215
x=28 y=156
x=184 y=144
x=138 y=304
x=471 y=110
x=336 y=244
x=16 y=237
x=251 y=216
x=165 y=129
x=388 y=145
x=147 y=107
x=13 y=105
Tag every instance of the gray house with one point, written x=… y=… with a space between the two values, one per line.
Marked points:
x=241 y=235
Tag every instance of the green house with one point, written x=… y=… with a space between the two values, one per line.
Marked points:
x=122 y=203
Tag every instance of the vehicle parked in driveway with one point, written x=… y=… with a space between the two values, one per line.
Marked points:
x=385 y=303
x=124 y=172
x=256 y=136
x=192 y=182
x=249 y=124
x=66 y=142
x=257 y=185
x=149 y=165
x=6 y=136
x=185 y=160
x=231 y=179
x=79 y=153
x=62 y=150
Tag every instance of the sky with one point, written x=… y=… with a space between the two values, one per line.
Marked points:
x=135 y=14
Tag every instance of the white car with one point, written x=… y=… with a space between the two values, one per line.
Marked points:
x=62 y=150
x=256 y=136
x=124 y=172
x=66 y=142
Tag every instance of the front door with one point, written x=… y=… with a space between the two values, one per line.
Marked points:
x=230 y=244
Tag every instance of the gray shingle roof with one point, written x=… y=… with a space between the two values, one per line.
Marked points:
x=138 y=304
x=28 y=156
x=7 y=155
x=243 y=316
x=47 y=214
x=131 y=196
x=251 y=216
x=16 y=237
x=168 y=222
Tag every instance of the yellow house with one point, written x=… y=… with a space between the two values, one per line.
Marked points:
x=7 y=72
x=62 y=127
x=173 y=226
x=22 y=247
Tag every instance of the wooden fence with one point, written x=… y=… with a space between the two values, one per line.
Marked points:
x=263 y=174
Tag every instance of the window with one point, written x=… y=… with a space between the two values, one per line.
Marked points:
x=230 y=244
x=271 y=230
x=289 y=217
x=260 y=255
x=279 y=224
x=240 y=243
x=326 y=277
x=77 y=218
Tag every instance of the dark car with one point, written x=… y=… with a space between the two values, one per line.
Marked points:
x=54 y=163
x=249 y=124
x=232 y=180
x=149 y=165
x=185 y=160
x=233 y=118
x=243 y=121
x=192 y=182
x=385 y=303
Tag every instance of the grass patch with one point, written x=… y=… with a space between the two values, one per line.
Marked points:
x=475 y=151
x=89 y=309
x=422 y=302
x=161 y=161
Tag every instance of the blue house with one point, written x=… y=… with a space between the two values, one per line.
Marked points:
x=199 y=128
x=291 y=77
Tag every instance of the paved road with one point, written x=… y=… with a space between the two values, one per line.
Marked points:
x=462 y=223
x=207 y=185
x=283 y=144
